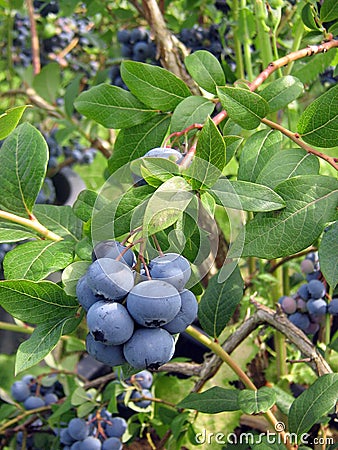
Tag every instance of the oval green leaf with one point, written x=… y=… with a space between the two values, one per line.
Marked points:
x=254 y=402
x=206 y=70
x=212 y=401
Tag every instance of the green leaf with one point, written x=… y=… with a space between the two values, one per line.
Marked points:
x=191 y=110
x=154 y=170
x=212 y=401
x=134 y=142
x=287 y=163
x=313 y=403
x=122 y=214
x=311 y=202
x=166 y=205
x=72 y=274
x=219 y=302
x=256 y=152
x=35 y=260
x=60 y=220
x=9 y=120
x=48 y=82
x=206 y=70
x=87 y=203
x=245 y=196
x=23 y=157
x=329 y=11
x=211 y=145
x=71 y=92
x=12 y=232
x=36 y=302
x=328 y=251
x=154 y=86
x=281 y=92
x=113 y=107
x=244 y=107
x=254 y=402
x=318 y=125
x=201 y=174
x=232 y=143
x=79 y=396
x=43 y=340
x=308 y=17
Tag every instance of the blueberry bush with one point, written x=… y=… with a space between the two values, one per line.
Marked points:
x=186 y=295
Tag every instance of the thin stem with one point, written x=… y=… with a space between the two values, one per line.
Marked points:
x=246 y=42
x=237 y=41
x=34 y=38
x=31 y=223
x=328 y=322
x=225 y=357
x=263 y=33
x=296 y=43
x=16 y=328
x=295 y=137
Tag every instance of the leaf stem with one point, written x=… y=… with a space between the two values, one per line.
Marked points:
x=31 y=223
x=225 y=357
x=34 y=38
x=16 y=328
x=295 y=137
x=237 y=41
x=263 y=33
x=246 y=41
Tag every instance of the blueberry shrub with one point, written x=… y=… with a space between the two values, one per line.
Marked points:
x=186 y=295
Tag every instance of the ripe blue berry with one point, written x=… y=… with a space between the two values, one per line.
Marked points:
x=317 y=306
x=110 y=323
x=33 y=402
x=300 y=320
x=143 y=378
x=303 y=292
x=78 y=429
x=20 y=391
x=172 y=268
x=333 y=306
x=85 y=295
x=164 y=152
x=316 y=289
x=112 y=355
x=109 y=278
x=117 y=427
x=149 y=348
x=113 y=249
x=186 y=315
x=91 y=443
x=112 y=443
x=153 y=303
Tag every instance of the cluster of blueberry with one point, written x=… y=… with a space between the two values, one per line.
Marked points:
x=46 y=7
x=65 y=29
x=34 y=393
x=101 y=431
x=308 y=306
x=132 y=316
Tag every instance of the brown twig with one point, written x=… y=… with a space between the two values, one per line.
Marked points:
x=34 y=38
x=295 y=137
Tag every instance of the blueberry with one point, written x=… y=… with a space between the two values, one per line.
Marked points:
x=149 y=348
x=313 y=276
x=153 y=303
x=78 y=429
x=164 y=152
x=141 y=51
x=91 y=443
x=116 y=427
x=20 y=391
x=172 y=268
x=112 y=443
x=110 y=323
x=85 y=295
x=28 y=379
x=113 y=249
x=111 y=355
x=301 y=305
x=318 y=306
x=307 y=266
x=143 y=378
x=312 y=328
x=50 y=398
x=109 y=278
x=33 y=402
x=289 y=305
x=123 y=36
x=316 y=289
x=186 y=315
x=75 y=446
x=139 y=394
x=303 y=292
x=300 y=320
x=333 y=306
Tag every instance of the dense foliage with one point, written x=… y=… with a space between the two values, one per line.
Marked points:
x=182 y=291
